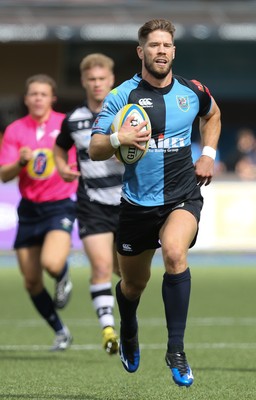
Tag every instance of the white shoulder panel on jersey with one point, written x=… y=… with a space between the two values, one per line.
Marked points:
x=80 y=113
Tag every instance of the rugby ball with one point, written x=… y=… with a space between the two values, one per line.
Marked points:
x=131 y=154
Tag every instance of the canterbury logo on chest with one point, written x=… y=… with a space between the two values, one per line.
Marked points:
x=146 y=102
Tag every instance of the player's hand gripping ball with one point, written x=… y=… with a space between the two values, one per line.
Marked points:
x=131 y=154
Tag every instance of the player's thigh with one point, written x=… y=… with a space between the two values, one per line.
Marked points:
x=29 y=263
x=55 y=250
x=177 y=234
x=179 y=229
x=135 y=270
x=99 y=250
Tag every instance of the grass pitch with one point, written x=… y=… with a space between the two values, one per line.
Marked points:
x=220 y=342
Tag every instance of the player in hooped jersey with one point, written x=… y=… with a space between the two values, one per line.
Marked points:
x=46 y=211
x=99 y=191
x=161 y=199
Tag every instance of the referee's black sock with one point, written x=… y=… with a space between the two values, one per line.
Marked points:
x=176 y=294
x=127 y=310
x=44 y=305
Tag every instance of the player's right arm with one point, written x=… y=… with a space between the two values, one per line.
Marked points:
x=101 y=148
x=12 y=170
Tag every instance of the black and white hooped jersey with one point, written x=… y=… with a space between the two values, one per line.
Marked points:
x=100 y=181
x=166 y=173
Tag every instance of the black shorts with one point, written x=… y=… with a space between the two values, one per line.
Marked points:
x=96 y=218
x=37 y=219
x=139 y=226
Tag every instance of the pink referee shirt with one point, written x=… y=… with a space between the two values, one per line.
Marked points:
x=39 y=181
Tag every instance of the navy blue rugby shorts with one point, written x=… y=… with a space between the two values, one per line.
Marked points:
x=94 y=218
x=139 y=226
x=37 y=219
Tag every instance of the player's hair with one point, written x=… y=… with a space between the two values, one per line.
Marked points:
x=96 y=60
x=155 y=25
x=41 y=78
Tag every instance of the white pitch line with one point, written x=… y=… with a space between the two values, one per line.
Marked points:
x=193 y=321
x=156 y=346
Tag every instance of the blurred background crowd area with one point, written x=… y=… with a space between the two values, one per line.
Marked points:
x=215 y=40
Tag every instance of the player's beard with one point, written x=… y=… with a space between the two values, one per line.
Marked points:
x=149 y=66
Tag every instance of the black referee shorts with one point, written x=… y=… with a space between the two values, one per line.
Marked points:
x=37 y=219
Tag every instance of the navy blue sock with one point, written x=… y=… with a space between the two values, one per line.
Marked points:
x=127 y=310
x=176 y=294
x=65 y=268
x=44 y=305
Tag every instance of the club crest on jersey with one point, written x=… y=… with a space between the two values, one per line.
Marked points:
x=183 y=103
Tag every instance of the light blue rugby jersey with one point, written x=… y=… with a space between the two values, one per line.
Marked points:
x=166 y=173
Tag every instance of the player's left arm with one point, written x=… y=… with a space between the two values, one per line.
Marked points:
x=63 y=144
x=210 y=128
